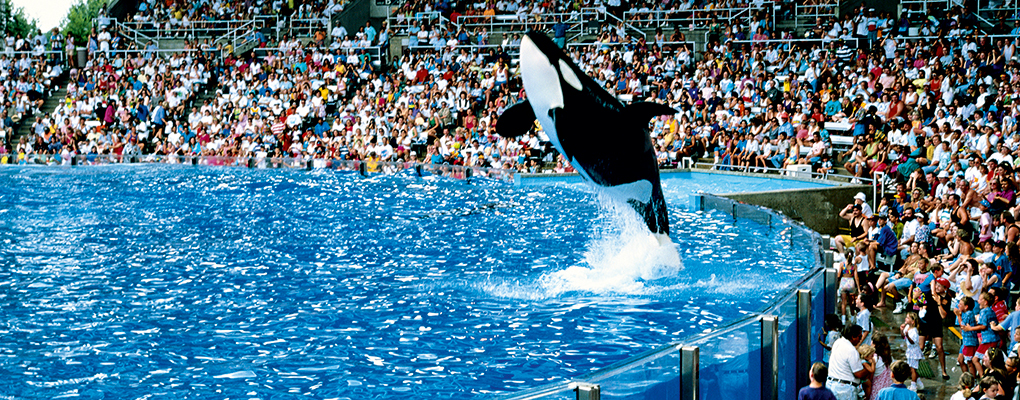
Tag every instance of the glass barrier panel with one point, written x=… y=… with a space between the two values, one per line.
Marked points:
x=786 y=310
x=730 y=362
x=654 y=375
x=752 y=213
x=817 y=286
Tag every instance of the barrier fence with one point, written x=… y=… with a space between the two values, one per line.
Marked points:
x=365 y=168
x=764 y=355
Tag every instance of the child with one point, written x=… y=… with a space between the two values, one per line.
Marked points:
x=966 y=383
x=867 y=355
x=816 y=390
x=847 y=281
x=988 y=336
x=914 y=356
x=966 y=316
x=864 y=317
x=900 y=373
x=825 y=167
x=833 y=327
x=882 y=378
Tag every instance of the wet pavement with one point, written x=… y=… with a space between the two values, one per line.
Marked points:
x=934 y=387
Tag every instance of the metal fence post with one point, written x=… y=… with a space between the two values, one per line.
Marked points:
x=689 y=367
x=769 y=357
x=803 y=337
x=830 y=290
x=587 y=391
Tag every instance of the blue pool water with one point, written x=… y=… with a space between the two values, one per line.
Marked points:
x=185 y=282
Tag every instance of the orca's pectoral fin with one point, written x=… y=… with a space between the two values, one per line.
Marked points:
x=644 y=111
x=516 y=120
x=641 y=112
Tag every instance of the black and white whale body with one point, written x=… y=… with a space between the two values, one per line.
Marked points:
x=606 y=142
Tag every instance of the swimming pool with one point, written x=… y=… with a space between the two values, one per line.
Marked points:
x=189 y=281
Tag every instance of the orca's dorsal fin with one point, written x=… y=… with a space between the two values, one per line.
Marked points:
x=516 y=120
x=642 y=112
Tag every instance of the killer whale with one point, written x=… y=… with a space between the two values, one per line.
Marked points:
x=606 y=142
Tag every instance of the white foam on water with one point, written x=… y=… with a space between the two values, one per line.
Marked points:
x=621 y=257
x=236 y=375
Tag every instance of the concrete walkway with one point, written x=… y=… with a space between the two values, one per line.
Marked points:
x=934 y=388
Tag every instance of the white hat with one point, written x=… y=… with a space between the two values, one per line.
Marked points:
x=860 y=196
x=943 y=174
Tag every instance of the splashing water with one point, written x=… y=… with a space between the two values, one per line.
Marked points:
x=622 y=258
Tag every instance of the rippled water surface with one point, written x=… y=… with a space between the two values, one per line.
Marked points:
x=182 y=282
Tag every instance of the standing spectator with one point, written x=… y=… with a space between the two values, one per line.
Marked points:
x=560 y=33
x=932 y=291
x=898 y=391
x=816 y=390
x=845 y=366
x=909 y=331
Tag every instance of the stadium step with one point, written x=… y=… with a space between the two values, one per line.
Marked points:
x=50 y=104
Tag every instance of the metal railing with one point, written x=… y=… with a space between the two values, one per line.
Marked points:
x=193 y=29
x=365 y=168
x=507 y=22
x=814 y=11
x=132 y=34
x=47 y=54
x=993 y=10
x=241 y=38
x=674 y=45
x=627 y=25
x=762 y=355
x=788 y=172
x=923 y=7
x=307 y=26
x=788 y=44
x=692 y=18
x=400 y=22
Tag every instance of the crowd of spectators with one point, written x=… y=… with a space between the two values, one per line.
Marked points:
x=28 y=75
x=752 y=107
x=170 y=18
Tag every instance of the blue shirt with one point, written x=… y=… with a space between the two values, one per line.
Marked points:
x=988 y=335
x=810 y=393
x=887 y=239
x=1011 y=322
x=897 y=391
x=1002 y=265
x=970 y=338
x=159 y=115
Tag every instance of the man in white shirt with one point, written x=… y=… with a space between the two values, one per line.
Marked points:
x=846 y=368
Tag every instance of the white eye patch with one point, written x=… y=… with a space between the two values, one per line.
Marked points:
x=568 y=75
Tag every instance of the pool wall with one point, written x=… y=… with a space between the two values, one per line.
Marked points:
x=816 y=208
x=764 y=355
x=817 y=205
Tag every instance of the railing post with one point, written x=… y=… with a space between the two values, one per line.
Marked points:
x=830 y=289
x=803 y=337
x=690 y=360
x=587 y=391
x=769 y=357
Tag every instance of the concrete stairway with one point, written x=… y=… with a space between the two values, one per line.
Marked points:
x=50 y=104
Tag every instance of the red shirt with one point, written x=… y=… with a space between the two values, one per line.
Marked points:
x=1000 y=310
